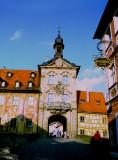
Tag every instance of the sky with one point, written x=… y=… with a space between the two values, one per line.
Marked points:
x=28 y=29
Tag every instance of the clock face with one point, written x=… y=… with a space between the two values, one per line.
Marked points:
x=58 y=62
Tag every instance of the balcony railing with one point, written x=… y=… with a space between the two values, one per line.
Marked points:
x=58 y=107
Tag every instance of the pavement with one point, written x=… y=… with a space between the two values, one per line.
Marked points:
x=54 y=149
x=114 y=155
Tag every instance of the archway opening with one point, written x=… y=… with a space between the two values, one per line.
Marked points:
x=57 y=125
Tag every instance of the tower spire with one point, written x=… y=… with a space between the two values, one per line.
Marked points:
x=58 y=46
x=58 y=31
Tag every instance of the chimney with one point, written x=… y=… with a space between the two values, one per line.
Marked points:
x=87 y=92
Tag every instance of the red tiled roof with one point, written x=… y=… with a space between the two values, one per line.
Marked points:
x=90 y=105
x=23 y=76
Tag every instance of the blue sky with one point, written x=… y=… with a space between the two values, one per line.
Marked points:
x=28 y=29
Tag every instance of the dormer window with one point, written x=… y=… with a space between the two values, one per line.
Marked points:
x=30 y=84
x=17 y=84
x=3 y=84
x=33 y=75
x=9 y=74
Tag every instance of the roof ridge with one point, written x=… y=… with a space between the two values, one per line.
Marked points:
x=17 y=69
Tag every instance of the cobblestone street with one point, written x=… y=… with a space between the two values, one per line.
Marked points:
x=55 y=149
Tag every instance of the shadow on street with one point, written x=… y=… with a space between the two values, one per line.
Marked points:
x=50 y=149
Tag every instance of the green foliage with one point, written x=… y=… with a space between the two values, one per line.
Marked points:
x=84 y=138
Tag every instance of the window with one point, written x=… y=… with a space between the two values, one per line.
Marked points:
x=30 y=84
x=65 y=80
x=17 y=84
x=51 y=79
x=104 y=120
x=50 y=97
x=30 y=101
x=2 y=100
x=81 y=119
x=82 y=101
x=15 y=101
x=113 y=72
x=98 y=102
x=29 y=123
x=109 y=34
x=3 y=84
x=58 y=49
x=9 y=74
x=81 y=132
x=65 y=98
x=33 y=75
x=104 y=133
x=13 y=123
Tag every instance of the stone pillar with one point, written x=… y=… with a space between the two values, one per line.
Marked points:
x=40 y=121
x=68 y=121
x=74 y=123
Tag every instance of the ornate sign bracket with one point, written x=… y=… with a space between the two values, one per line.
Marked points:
x=101 y=60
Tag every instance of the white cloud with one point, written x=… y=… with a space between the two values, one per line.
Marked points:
x=90 y=71
x=91 y=79
x=16 y=35
x=89 y=83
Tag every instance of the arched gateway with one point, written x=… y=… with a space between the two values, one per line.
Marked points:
x=57 y=125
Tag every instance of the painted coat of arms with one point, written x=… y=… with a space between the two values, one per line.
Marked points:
x=59 y=88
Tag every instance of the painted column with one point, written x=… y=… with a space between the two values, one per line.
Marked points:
x=116 y=117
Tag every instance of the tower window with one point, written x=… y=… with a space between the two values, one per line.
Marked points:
x=65 y=80
x=51 y=79
x=58 y=49
x=50 y=97
x=65 y=98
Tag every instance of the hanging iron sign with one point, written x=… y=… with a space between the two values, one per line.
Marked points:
x=102 y=62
